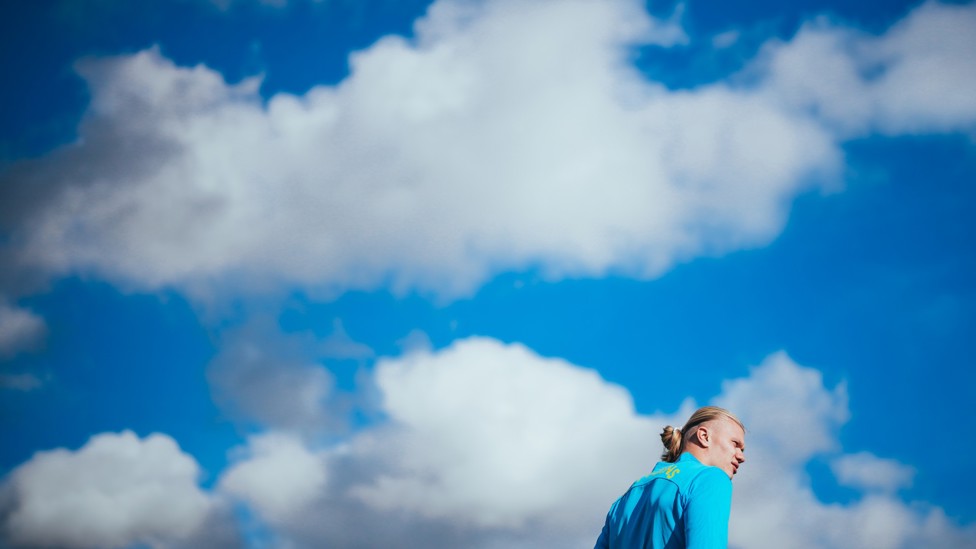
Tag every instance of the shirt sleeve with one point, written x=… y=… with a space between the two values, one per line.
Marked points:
x=707 y=513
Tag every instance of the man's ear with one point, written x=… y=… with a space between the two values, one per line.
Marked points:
x=703 y=435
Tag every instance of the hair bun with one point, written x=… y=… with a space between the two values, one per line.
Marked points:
x=671 y=438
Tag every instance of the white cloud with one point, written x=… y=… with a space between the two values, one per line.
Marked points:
x=912 y=79
x=490 y=445
x=866 y=471
x=486 y=445
x=278 y=477
x=506 y=135
x=115 y=491
x=20 y=329
x=495 y=435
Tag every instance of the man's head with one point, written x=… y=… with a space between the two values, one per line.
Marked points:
x=713 y=435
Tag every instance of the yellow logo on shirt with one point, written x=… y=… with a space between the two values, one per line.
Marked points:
x=668 y=471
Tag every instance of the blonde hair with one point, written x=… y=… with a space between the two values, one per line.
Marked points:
x=674 y=439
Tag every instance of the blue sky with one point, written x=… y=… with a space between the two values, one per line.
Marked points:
x=346 y=273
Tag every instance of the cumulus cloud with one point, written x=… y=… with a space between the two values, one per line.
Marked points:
x=486 y=445
x=491 y=445
x=277 y=476
x=115 y=491
x=914 y=78
x=20 y=329
x=495 y=435
x=505 y=135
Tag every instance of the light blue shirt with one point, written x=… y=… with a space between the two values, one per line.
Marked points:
x=680 y=505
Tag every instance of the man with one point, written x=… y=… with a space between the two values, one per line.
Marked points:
x=686 y=500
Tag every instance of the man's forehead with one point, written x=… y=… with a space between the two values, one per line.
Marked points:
x=739 y=433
